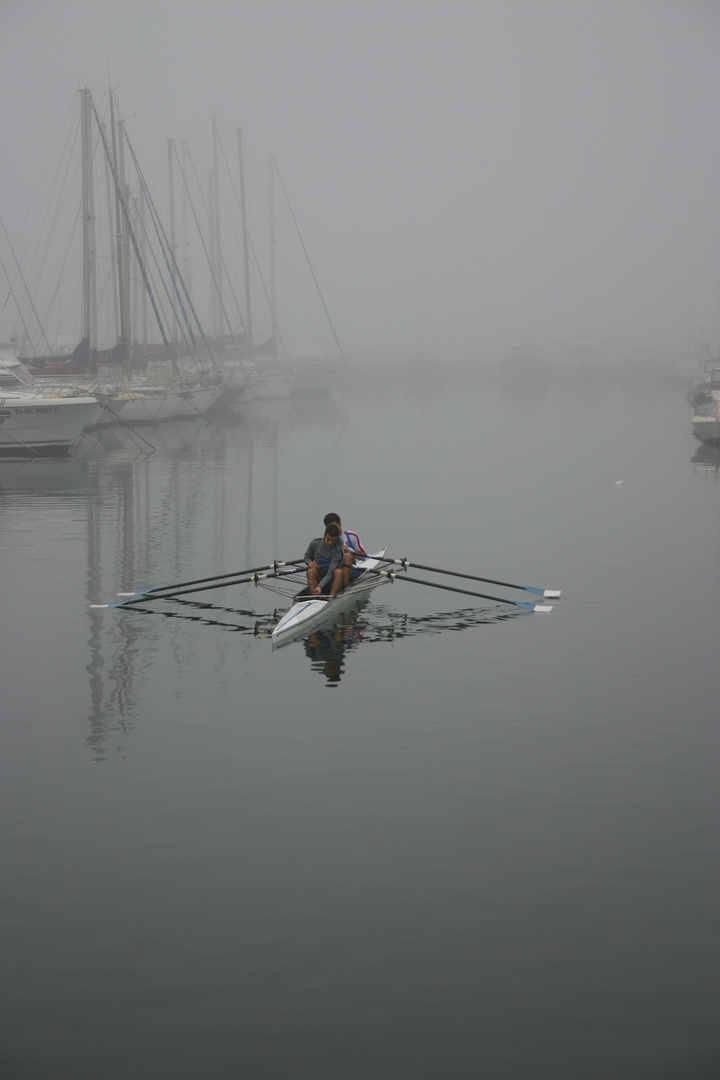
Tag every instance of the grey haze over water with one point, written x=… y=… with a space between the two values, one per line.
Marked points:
x=466 y=173
x=451 y=838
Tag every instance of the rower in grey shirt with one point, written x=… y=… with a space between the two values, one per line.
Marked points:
x=324 y=558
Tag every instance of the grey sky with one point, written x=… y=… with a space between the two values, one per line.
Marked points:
x=548 y=168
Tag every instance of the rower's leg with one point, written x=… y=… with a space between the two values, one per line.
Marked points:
x=337 y=582
x=348 y=561
x=312 y=577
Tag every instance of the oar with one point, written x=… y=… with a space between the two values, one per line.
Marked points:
x=449 y=588
x=215 y=577
x=550 y=593
x=142 y=598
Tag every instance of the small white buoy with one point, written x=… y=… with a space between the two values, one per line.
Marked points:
x=618 y=483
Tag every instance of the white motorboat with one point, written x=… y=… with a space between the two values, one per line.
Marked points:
x=34 y=422
x=706 y=421
x=701 y=393
x=310 y=612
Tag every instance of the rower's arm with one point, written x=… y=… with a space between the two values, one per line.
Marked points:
x=309 y=555
x=336 y=562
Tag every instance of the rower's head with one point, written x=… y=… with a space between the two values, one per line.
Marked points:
x=332 y=519
x=331 y=534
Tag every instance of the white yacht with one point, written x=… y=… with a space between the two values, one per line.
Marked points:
x=35 y=422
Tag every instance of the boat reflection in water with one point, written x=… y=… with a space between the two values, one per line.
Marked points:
x=327 y=647
x=706 y=461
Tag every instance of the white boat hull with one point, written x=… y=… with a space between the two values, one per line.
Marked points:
x=706 y=422
x=150 y=405
x=196 y=402
x=33 y=425
x=707 y=429
x=308 y=614
x=147 y=407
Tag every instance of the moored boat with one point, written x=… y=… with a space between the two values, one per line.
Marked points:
x=140 y=405
x=196 y=401
x=33 y=426
x=701 y=393
x=706 y=421
x=35 y=422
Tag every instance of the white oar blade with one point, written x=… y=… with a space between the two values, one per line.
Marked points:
x=552 y=594
x=542 y=607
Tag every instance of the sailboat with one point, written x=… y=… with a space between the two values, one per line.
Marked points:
x=124 y=387
x=271 y=372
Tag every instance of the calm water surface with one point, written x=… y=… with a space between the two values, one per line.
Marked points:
x=450 y=839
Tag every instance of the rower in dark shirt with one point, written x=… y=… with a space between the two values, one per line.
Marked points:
x=324 y=558
x=351 y=545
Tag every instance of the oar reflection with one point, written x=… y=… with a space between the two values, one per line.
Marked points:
x=376 y=624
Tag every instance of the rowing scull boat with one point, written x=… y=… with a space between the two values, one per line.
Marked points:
x=310 y=612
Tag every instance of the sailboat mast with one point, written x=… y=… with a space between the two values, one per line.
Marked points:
x=246 y=246
x=273 y=286
x=118 y=233
x=144 y=292
x=85 y=140
x=119 y=194
x=136 y=280
x=109 y=187
x=171 y=189
x=216 y=217
x=186 y=240
x=125 y=239
x=213 y=258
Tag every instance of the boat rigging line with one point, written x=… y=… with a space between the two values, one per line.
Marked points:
x=131 y=231
x=25 y=286
x=302 y=242
x=207 y=254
